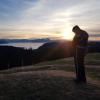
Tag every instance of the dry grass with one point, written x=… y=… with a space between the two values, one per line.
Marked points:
x=51 y=81
x=43 y=85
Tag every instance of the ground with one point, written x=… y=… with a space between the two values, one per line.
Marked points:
x=51 y=81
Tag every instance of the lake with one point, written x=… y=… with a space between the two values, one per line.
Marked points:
x=24 y=45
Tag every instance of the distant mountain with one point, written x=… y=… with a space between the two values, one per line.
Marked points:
x=4 y=41
x=14 y=56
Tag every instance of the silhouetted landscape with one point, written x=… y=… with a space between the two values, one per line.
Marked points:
x=14 y=56
x=44 y=79
x=49 y=49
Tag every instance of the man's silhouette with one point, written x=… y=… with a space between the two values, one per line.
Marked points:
x=80 y=42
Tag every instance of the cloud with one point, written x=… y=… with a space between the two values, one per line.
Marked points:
x=48 y=16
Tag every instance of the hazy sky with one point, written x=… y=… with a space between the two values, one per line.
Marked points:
x=47 y=18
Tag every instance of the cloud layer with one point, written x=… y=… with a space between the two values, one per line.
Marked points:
x=19 y=18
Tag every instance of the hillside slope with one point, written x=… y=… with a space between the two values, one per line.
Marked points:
x=45 y=85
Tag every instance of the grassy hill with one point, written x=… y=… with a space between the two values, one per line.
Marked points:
x=51 y=81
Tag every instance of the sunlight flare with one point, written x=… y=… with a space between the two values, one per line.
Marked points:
x=67 y=34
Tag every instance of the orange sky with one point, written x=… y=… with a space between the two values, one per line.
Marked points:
x=48 y=18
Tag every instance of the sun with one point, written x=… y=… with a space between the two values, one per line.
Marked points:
x=67 y=34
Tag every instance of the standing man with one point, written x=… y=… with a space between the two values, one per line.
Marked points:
x=80 y=42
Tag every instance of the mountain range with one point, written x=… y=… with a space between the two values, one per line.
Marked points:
x=5 y=41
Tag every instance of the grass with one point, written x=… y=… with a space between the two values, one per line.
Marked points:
x=94 y=73
x=36 y=82
x=92 y=62
x=92 y=66
x=33 y=86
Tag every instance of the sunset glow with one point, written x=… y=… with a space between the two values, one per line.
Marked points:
x=67 y=34
x=45 y=18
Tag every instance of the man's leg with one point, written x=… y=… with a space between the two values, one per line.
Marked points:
x=80 y=64
x=75 y=62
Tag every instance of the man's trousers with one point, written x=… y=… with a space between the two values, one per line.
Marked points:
x=79 y=56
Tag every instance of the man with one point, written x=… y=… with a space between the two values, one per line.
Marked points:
x=80 y=42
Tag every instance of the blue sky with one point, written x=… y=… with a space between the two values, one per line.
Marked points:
x=48 y=18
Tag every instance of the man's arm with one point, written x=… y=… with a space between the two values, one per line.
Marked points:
x=76 y=40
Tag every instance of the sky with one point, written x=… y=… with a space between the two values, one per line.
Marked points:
x=24 y=19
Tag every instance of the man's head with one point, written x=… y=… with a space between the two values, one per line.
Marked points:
x=76 y=29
